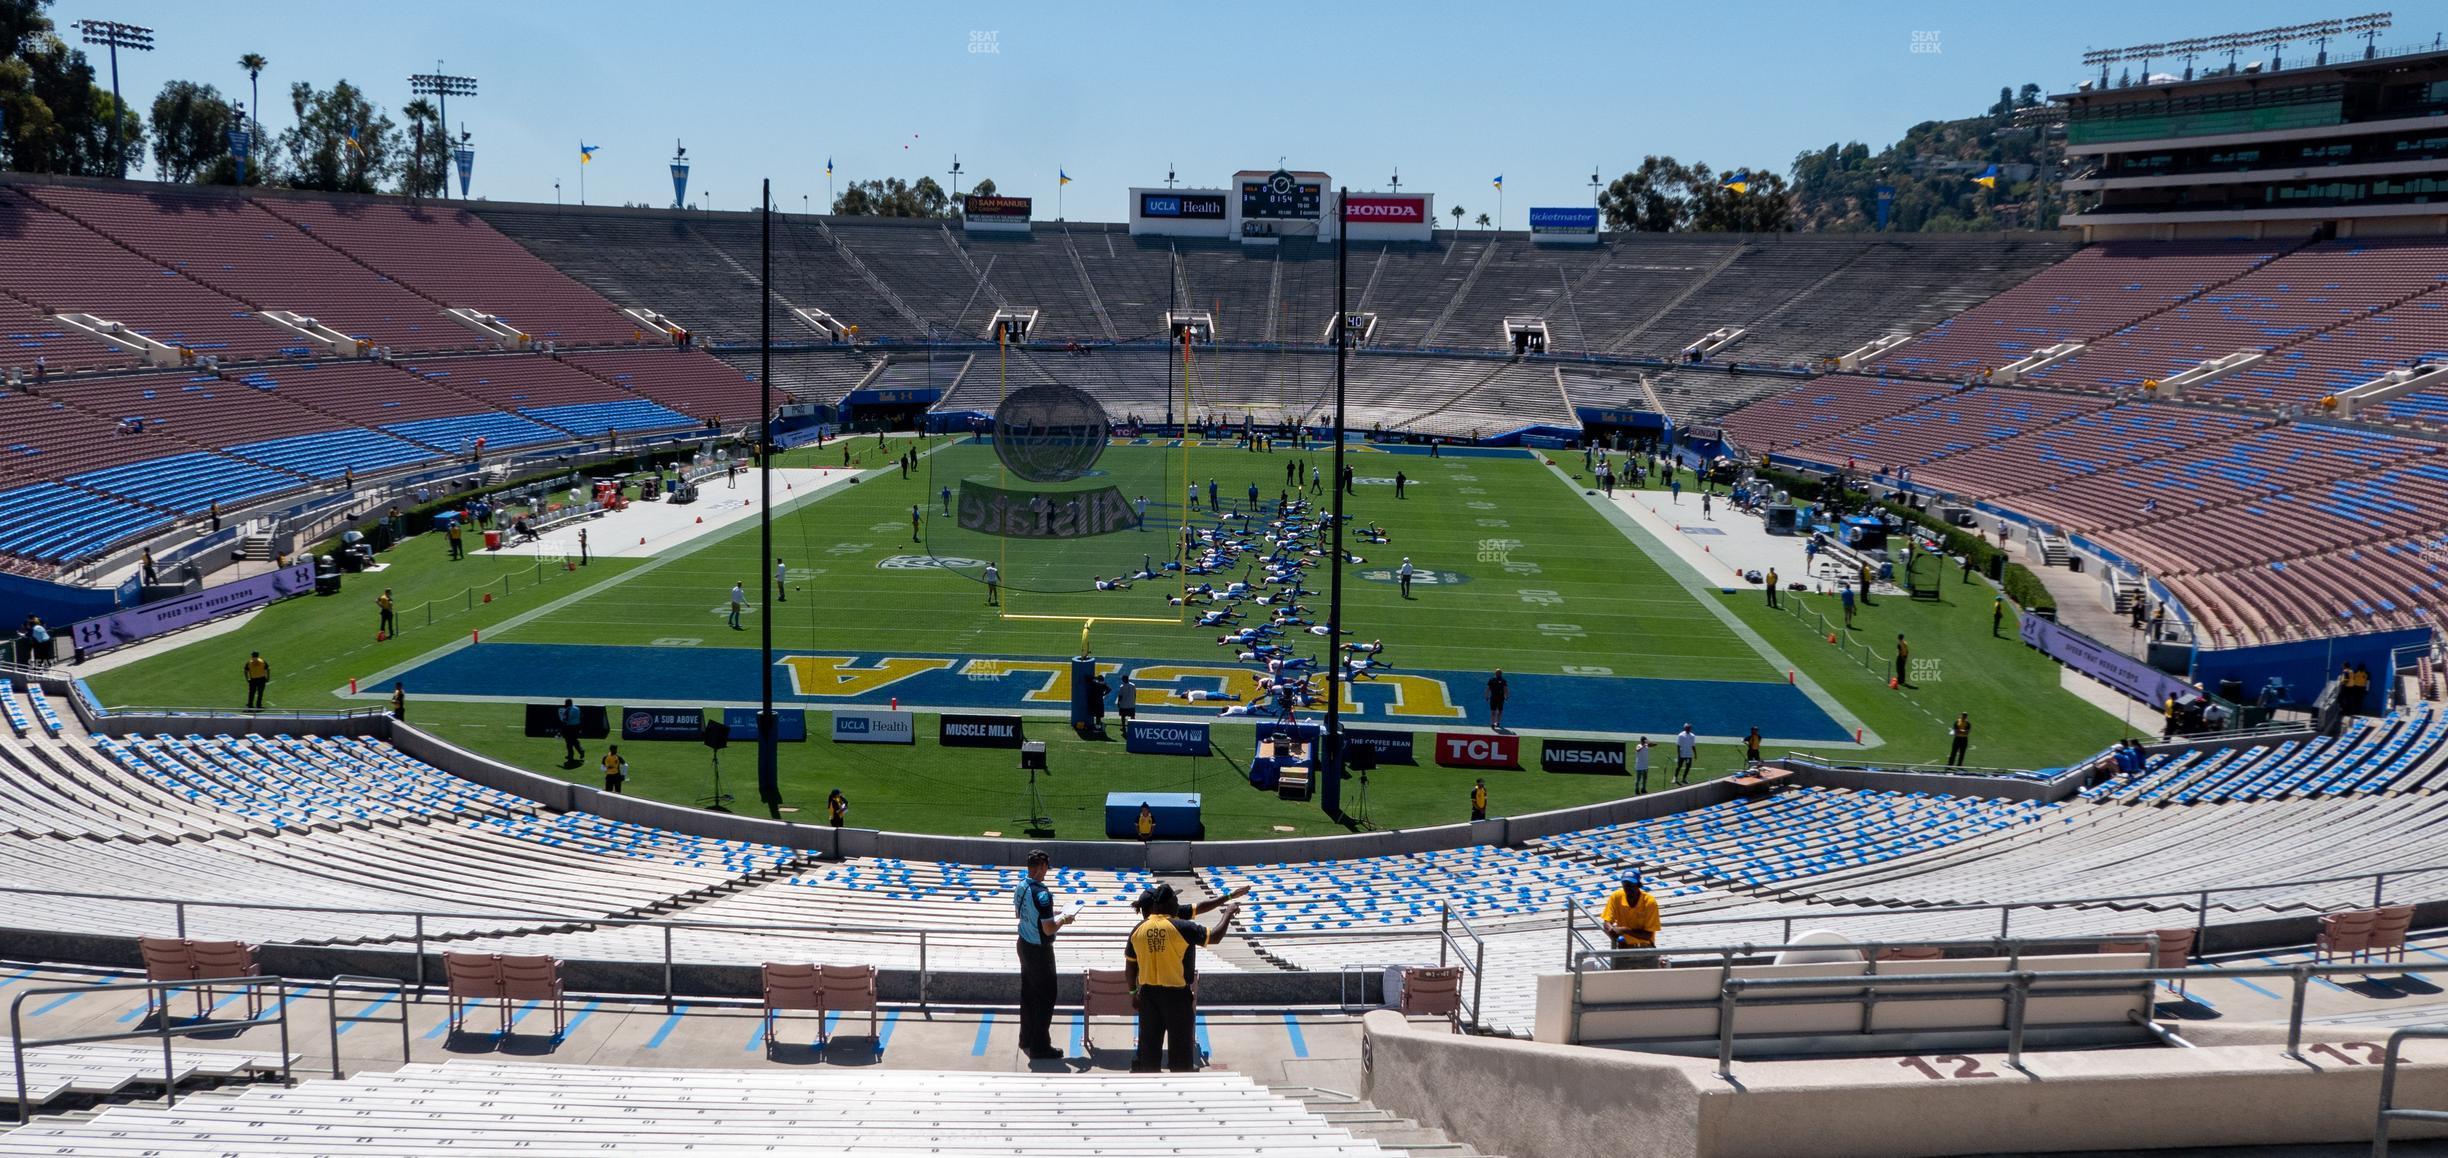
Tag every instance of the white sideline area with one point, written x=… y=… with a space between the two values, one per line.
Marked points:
x=471 y=1107
x=657 y=527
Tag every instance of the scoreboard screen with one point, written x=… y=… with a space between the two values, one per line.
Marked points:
x=1282 y=196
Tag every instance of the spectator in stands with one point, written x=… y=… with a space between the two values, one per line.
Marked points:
x=1479 y=799
x=399 y=701
x=2362 y=687
x=1687 y=749
x=258 y=674
x=572 y=752
x=1640 y=767
x=837 y=807
x=1959 y=738
x=1772 y=575
x=215 y=512
x=1497 y=686
x=739 y=603
x=1631 y=920
x=615 y=770
x=1033 y=904
x=1903 y=659
x=1156 y=961
x=1751 y=748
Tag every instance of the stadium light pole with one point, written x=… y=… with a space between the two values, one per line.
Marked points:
x=439 y=84
x=116 y=36
x=1330 y=784
x=769 y=763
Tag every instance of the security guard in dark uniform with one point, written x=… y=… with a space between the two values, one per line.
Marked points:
x=1033 y=905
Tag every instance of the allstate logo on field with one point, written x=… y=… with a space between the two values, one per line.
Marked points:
x=1049 y=432
x=927 y=562
x=1420 y=577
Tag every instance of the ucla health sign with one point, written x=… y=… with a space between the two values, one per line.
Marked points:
x=873 y=728
x=1575 y=219
x=1186 y=206
x=1160 y=739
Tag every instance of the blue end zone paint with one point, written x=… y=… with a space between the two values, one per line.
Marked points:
x=379 y=1002
x=671 y=1021
x=1300 y=1045
x=985 y=1031
x=541 y=672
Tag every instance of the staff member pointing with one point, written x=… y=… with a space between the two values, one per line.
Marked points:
x=1154 y=960
x=1033 y=904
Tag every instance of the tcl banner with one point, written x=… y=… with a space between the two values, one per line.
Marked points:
x=1462 y=750
x=1008 y=208
x=1392 y=210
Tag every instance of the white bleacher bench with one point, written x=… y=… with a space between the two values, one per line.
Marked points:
x=42 y=709
x=17 y=721
x=103 y=1069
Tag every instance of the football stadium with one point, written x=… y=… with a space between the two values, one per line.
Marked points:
x=1926 y=652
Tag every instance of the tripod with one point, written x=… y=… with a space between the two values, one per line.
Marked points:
x=1364 y=809
x=720 y=797
x=1036 y=808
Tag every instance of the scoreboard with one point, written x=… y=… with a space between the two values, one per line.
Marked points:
x=1282 y=196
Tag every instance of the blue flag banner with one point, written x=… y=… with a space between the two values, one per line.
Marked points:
x=465 y=156
x=1886 y=202
x=679 y=172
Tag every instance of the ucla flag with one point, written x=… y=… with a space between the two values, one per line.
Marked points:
x=1060 y=177
x=828 y=166
x=353 y=142
x=1499 y=182
x=1988 y=177
x=586 y=152
x=1740 y=182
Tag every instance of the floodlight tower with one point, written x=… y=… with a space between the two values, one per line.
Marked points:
x=115 y=36
x=440 y=84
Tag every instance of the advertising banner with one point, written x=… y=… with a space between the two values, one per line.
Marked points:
x=979 y=732
x=1564 y=219
x=1010 y=514
x=1184 y=206
x=127 y=625
x=1391 y=209
x=662 y=723
x=870 y=728
x=1390 y=747
x=2102 y=662
x=1462 y=750
x=997 y=206
x=1161 y=739
x=545 y=720
x=1602 y=757
x=790 y=724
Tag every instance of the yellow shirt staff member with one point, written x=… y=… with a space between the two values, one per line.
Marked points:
x=1631 y=920
x=616 y=770
x=1154 y=960
x=1479 y=799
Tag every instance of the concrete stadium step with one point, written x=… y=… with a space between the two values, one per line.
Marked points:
x=1365 y=1120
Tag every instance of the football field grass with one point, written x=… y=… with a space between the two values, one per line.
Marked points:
x=1599 y=632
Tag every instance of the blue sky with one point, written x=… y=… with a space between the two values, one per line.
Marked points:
x=1451 y=94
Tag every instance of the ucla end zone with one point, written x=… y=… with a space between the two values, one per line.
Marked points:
x=632 y=675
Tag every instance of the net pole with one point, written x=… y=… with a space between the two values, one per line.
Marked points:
x=1330 y=779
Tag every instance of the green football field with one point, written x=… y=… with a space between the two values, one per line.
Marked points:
x=1528 y=575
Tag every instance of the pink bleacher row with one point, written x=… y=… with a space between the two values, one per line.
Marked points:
x=2254 y=464
x=75 y=423
x=2097 y=444
x=2404 y=502
x=2097 y=291
x=234 y=246
x=2347 y=357
x=58 y=266
x=27 y=334
x=1955 y=424
x=454 y=258
x=1822 y=407
x=2323 y=593
x=2284 y=302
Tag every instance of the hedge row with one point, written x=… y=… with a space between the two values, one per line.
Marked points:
x=2025 y=588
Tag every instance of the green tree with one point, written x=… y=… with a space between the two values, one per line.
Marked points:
x=53 y=117
x=191 y=127
x=1654 y=198
x=426 y=172
x=893 y=197
x=342 y=144
x=254 y=64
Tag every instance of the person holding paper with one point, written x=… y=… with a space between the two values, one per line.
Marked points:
x=1033 y=904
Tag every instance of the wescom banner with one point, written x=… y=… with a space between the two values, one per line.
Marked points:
x=1160 y=739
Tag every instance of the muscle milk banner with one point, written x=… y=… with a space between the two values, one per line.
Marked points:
x=979 y=732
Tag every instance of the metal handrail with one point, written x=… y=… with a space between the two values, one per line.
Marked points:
x=331 y=995
x=162 y=1029
x=1473 y=962
x=2389 y=1110
x=2016 y=988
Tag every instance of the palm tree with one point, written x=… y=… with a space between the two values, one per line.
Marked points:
x=254 y=64
x=1481 y=221
x=424 y=131
x=1457 y=216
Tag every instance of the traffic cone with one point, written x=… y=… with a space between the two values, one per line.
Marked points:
x=488 y=597
x=568 y=566
x=352 y=687
x=1831 y=637
x=701 y=518
x=896 y=703
x=1857 y=735
x=474 y=637
x=641 y=540
x=381 y=636
x=1891 y=683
